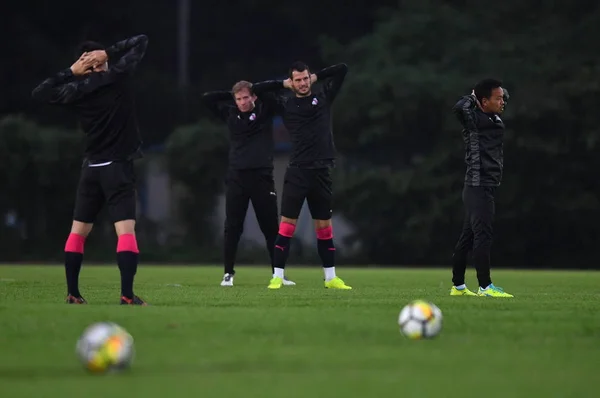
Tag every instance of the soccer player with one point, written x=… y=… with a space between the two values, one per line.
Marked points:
x=250 y=174
x=98 y=88
x=483 y=134
x=307 y=117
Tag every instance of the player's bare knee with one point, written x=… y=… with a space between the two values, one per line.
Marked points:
x=81 y=228
x=322 y=224
x=286 y=220
x=125 y=227
x=287 y=227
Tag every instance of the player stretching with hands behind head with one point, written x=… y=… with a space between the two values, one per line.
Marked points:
x=102 y=96
x=250 y=174
x=483 y=134
x=307 y=117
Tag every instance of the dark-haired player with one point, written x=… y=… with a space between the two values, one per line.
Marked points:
x=307 y=117
x=483 y=135
x=98 y=89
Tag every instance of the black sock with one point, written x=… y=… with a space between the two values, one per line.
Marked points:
x=281 y=252
x=72 y=267
x=326 y=251
x=128 y=262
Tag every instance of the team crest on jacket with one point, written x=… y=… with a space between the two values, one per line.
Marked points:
x=315 y=101
x=253 y=116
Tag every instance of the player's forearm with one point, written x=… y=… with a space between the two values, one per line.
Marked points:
x=212 y=99
x=136 y=43
x=134 y=48
x=216 y=96
x=334 y=71
x=334 y=77
x=464 y=110
x=55 y=88
x=267 y=86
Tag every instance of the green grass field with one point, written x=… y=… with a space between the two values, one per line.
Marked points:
x=198 y=339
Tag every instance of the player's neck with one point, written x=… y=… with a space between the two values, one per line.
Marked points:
x=298 y=95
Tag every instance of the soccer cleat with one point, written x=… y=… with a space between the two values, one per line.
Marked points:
x=275 y=283
x=75 y=300
x=493 y=291
x=134 y=301
x=461 y=292
x=337 y=283
x=227 y=280
x=287 y=282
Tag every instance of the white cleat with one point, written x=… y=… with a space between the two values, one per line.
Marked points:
x=287 y=282
x=227 y=280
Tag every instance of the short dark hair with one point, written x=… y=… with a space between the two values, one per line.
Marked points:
x=484 y=88
x=88 y=46
x=298 y=66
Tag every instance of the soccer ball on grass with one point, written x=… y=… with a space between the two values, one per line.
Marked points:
x=105 y=347
x=420 y=320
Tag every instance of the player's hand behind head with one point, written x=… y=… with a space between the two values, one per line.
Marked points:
x=89 y=62
x=83 y=65
x=99 y=56
x=476 y=100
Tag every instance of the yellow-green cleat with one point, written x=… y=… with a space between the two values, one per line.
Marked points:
x=275 y=283
x=461 y=292
x=493 y=291
x=337 y=283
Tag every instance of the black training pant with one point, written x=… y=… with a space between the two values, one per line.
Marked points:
x=258 y=186
x=476 y=236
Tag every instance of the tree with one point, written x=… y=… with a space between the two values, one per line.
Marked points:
x=40 y=168
x=401 y=175
x=197 y=158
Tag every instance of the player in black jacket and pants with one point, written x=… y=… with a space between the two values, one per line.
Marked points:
x=248 y=109
x=483 y=135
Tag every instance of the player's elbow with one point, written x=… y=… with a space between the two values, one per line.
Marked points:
x=38 y=94
x=457 y=109
x=142 y=39
x=341 y=69
x=206 y=98
x=459 y=114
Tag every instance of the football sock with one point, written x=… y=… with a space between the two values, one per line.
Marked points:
x=282 y=245
x=329 y=273
x=127 y=259
x=326 y=251
x=73 y=260
x=278 y=272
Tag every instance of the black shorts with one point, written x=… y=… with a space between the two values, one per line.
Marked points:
x=314 y=185
x=113 y=185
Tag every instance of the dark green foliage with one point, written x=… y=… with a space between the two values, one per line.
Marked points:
x=401 y=180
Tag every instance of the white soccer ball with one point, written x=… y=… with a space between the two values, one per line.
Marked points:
x=105 y=347
x=420 y=320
